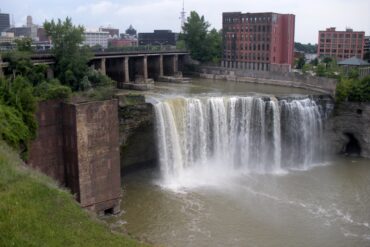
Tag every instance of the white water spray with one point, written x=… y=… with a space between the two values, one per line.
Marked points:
x=249 y=134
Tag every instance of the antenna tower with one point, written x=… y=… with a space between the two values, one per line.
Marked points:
x=182 y=14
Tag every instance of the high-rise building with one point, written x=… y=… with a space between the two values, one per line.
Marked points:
x=4 y=22
x=258 y=41
x=341 y=44
x=29 y=21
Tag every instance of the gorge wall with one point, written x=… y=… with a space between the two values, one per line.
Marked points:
x=348 y=129
x=137 y=133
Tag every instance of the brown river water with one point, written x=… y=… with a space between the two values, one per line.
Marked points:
x=324 y=203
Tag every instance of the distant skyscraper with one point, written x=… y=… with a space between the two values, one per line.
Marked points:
x=4 y=22
x=341 y=44
x=258 y=41
x=29 y=21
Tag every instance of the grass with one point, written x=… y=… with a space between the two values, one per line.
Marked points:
x=35 y=212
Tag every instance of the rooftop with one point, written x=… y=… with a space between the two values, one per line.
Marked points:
x=353 y=61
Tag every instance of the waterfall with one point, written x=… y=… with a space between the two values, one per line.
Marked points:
x=251 y=134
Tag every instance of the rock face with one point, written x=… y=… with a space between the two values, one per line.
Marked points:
x=137 y=136
x=348 y=129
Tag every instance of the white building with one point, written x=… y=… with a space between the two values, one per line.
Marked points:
x=93 y=38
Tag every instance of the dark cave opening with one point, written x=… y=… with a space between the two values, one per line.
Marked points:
x=352 y=147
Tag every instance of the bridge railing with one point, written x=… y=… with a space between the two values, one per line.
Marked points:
x=136 y=49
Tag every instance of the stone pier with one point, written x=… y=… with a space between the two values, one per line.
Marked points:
x=78 y=145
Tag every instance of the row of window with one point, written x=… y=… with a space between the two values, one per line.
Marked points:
x=341 y=35
x=251 y=47
x=353 y=46
x=341 y=41
x=250 y=57
x=248 y=19
x=248 y=37
x=250 y=28
x=339 y=51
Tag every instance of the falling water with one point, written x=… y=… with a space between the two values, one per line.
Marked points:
x=252 y=134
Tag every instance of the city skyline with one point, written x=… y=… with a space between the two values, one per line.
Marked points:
x=145 y=16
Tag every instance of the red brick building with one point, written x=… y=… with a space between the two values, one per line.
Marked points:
x=341 y=44
x=258 y=41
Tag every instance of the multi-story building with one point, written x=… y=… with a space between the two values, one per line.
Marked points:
x=158 y=37
x=367 y=44
x=341 y=44
x=258 y=41
x=93 y=38
x=4 y=22
x=122 y=42
x=21 y=32
x=113 y=32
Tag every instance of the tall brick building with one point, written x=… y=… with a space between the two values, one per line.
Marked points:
x=258 y=41
x=341 y=44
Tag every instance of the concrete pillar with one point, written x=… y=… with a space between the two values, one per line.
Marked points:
x=175 y=64
x=126 y=70
x=161 y=65
x=49 y=73
x=145 y=67
x=102 y=66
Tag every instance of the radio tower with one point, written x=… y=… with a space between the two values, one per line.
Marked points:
x=182 y=15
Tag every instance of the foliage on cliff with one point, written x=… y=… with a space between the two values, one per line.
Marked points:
x=20 y=90
x=204 y=45
x=353 y=89
x=17 y=112
x=35 y=212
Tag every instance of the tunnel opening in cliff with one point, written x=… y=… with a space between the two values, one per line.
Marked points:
x=352 y=147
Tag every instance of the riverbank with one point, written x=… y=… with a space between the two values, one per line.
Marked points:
x=34 y=211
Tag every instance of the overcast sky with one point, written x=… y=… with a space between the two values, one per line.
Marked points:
x=147 y=15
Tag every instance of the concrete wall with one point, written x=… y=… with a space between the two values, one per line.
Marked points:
x=320 y=84
x=78 y=145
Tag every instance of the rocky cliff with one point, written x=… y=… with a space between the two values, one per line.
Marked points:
x=137 y=136
x=348 y=129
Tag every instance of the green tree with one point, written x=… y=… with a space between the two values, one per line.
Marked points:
x=214 y=46
x=17 y=113
x=194 y=34
x=300 y=63
x=71 y=58
x=24 y=44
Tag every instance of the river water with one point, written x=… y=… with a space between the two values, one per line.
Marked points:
x=238 y=167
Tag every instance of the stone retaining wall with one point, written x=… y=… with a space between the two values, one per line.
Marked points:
x=320 y=84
